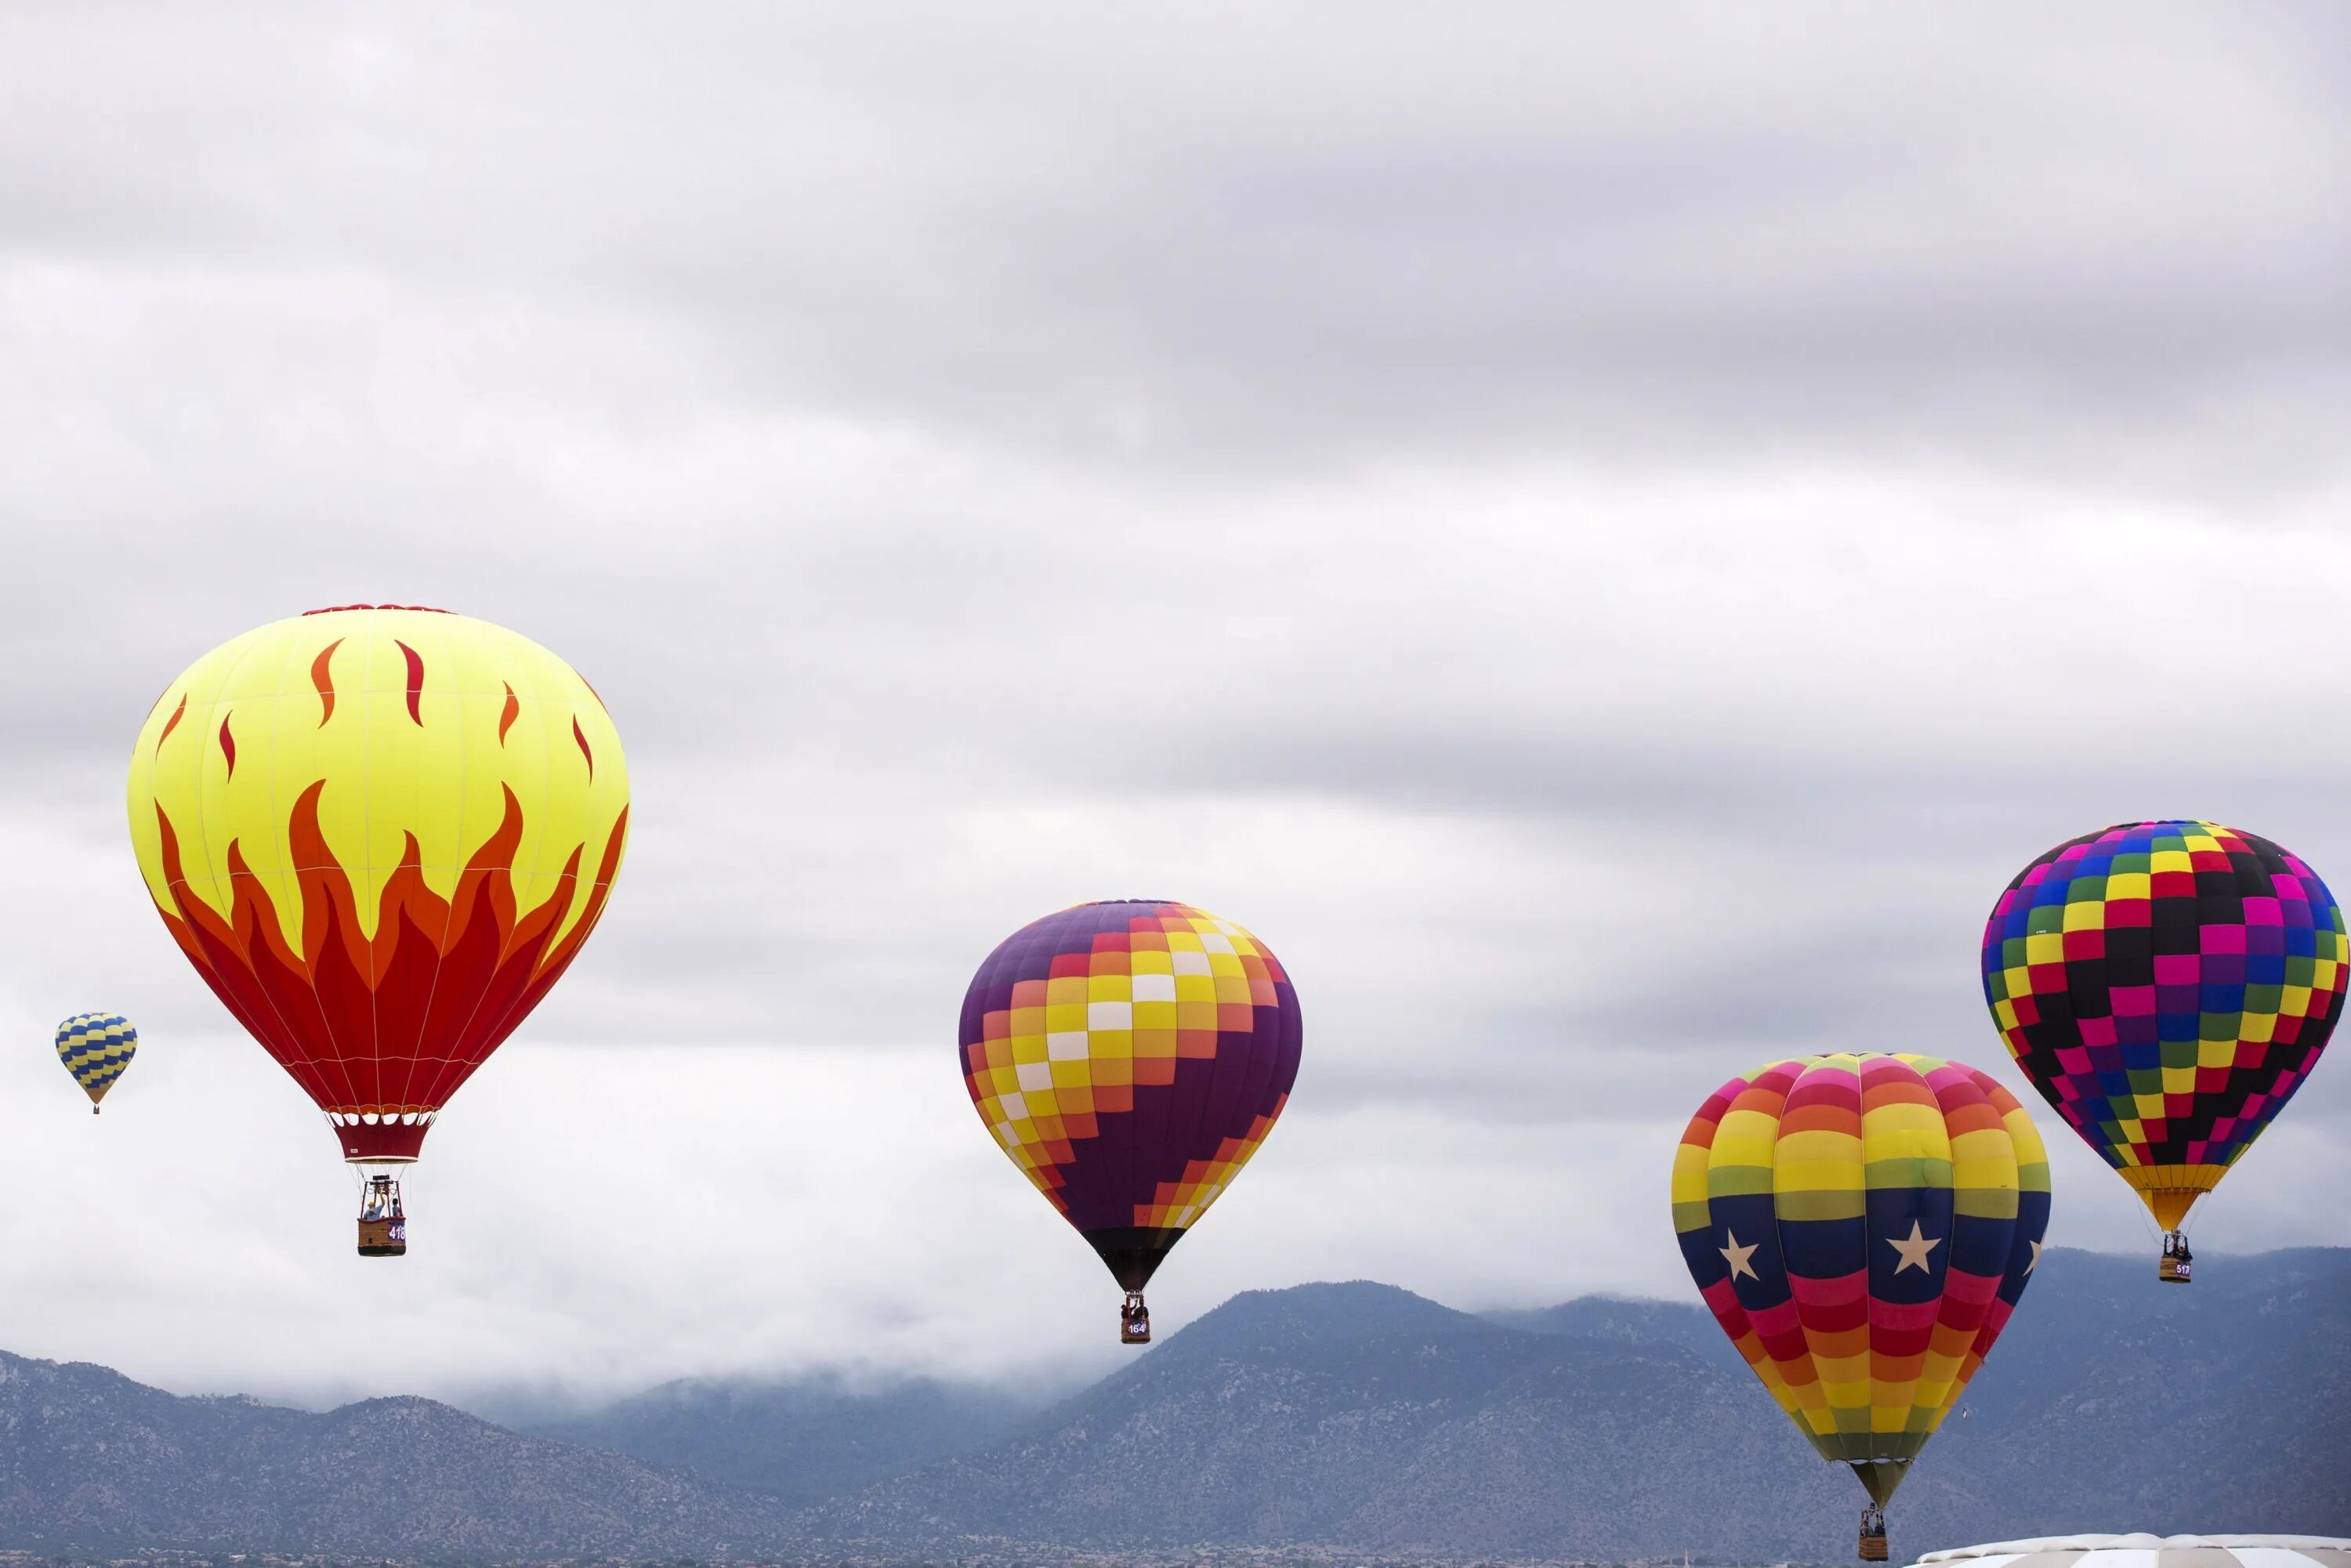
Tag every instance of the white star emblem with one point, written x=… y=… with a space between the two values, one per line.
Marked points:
x=1914 y=1249
x=2036 y=1257
x=1736 y=1256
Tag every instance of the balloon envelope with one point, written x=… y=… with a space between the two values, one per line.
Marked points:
x=96 y=1048
x=1130 y=1057
x=1860 y=1226
x=381 y=835
x=2166 y=986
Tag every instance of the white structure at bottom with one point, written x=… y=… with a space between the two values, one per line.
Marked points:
x=2151 y=1551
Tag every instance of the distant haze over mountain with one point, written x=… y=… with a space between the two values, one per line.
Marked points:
x=804 y=1440
x=1346 y=1416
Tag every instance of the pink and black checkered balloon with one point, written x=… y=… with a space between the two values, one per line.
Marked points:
x=2166 y=986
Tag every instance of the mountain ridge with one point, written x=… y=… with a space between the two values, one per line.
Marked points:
x=90 y=1458
x=1348 y=1417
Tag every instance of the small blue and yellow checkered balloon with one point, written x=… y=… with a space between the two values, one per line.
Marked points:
x=96 y=1048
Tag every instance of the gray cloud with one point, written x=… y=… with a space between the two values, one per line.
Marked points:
x=1606 y=543
x=1259 y=236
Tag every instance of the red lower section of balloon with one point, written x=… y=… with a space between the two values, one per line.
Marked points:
x=386 y=1026
x=381 y=1143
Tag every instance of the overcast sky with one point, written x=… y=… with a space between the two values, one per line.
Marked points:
x=1605 y=543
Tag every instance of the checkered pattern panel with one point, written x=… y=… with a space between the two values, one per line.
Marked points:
x=2166 y=986
x=1130 y=1057
x=1860 y=1226
x=96 y=1048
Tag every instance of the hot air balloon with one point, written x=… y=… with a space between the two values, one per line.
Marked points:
x=1861 y=1226
x=96 y=1048
x=2166 y=987
x=1130 y=1057
x=379 y=833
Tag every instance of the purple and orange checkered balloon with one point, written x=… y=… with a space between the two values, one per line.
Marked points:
x=1130 y=1057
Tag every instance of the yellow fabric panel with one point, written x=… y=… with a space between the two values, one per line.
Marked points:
x=251 y=726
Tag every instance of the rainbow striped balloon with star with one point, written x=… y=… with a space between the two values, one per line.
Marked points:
x=1861 y=1226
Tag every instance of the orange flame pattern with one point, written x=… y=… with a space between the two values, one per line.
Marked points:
x=383 y=1031
x=322 y=679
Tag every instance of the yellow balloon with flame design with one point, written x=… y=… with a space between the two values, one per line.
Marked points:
x=381 y=834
